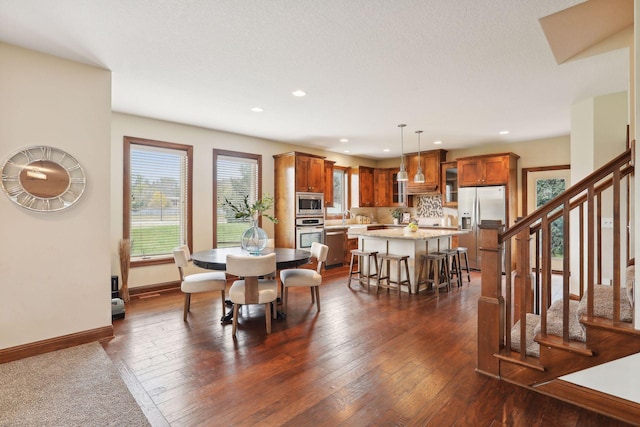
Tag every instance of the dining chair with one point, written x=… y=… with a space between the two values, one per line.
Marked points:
x=301 y=277
x=253 y=285
x=198 y=282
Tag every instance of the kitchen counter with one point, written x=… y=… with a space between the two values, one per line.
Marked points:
x=400 y=241
x=403 y=234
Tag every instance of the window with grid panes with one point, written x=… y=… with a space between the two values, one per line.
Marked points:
x=236 y=175
x=157 y=198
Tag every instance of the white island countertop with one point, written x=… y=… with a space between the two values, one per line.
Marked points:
x=403 y=234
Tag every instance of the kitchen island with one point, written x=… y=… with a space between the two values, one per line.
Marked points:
x=400 y=241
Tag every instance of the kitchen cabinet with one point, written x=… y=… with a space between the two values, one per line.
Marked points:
x=431 y=161
x=449 y=183
x=309 y=173
x=293 y=172
x=328 y=183
x=491 y=169
x=362 y=180
x=350 y=244
x=383 y=187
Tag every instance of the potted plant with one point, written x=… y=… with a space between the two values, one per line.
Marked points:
x=244 y=210
x=397 y=214
x=254 y=238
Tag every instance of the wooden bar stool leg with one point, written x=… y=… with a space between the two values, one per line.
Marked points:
x=406 y=269
x=375 y=259
x=447 y=273
x=351 y=270
x=399 y=274
x=436 y=276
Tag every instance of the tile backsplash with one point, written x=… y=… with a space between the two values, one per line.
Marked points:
x=429 y=206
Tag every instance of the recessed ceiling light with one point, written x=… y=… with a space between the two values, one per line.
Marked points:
x=504 y=132
x=437 y=142
x=298 y=93
x=344 y=140
x=386 y=150
x=346 y=151
x=257 y=110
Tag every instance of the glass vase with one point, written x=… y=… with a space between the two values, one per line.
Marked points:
x=254 y=239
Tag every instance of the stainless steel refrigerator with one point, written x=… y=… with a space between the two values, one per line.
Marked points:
x=476 y=204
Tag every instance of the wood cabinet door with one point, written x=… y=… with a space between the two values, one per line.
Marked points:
x=309 y=174
x=302 y=173
x=382 y=187
x=431 y=169
x=469 y=173
x=366 y=197
x=350 y=245
x=496 y=170
x=316 y=175
x=328 y=183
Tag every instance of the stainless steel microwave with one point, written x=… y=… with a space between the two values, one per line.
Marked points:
x=309 y=204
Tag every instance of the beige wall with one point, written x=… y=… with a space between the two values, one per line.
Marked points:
x=203 y=142
x=54 y=267
x=598 y=134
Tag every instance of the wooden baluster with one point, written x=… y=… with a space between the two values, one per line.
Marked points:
x=590 y=248
x=566 y=211
x=545 y=229
x=617 y=243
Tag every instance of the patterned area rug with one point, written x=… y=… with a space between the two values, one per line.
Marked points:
x=78 y=386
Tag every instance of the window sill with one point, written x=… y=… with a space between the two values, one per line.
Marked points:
x=154 y=260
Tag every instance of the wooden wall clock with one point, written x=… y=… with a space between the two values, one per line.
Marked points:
x=42 y=178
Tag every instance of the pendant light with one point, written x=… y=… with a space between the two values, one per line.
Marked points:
x=402 y=175
x=419 y=177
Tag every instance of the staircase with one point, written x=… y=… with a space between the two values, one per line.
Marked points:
x=525 y=338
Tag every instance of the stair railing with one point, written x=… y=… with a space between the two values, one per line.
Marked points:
x=531 y=288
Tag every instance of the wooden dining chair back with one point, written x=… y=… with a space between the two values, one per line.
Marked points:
x=301 y=277
x=198 y=282
x=253 y=285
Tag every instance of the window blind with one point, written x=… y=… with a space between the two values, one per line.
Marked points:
x=236 y=177
x=158 y=200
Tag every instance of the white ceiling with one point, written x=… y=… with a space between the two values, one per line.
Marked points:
x=460 y=70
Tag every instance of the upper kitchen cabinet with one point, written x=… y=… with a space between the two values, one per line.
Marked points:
x=449 y=184
x=383 y=187
x=309 y=173
x=362 y=179
x=328 y=183
x=431 y=161
x=293 y=172
x=490 y=169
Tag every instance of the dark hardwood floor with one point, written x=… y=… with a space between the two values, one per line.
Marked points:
x=363 y=360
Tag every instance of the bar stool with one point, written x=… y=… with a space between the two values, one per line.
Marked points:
x=361 y=255
x=453 y=261
x=463 y=250
x=434 y=264
x=385 y=259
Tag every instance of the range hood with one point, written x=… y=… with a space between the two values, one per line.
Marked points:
x=422 y=189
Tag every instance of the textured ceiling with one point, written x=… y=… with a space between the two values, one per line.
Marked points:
x=460 y=70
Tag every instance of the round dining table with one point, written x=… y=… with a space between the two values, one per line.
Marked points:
x=216 y=259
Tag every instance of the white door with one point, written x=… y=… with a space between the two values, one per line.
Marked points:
x=543 y=186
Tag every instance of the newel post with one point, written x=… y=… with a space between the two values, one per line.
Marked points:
x=491 y=302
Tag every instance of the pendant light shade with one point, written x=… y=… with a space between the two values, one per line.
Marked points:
x=402 y=175
x=419 y=177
